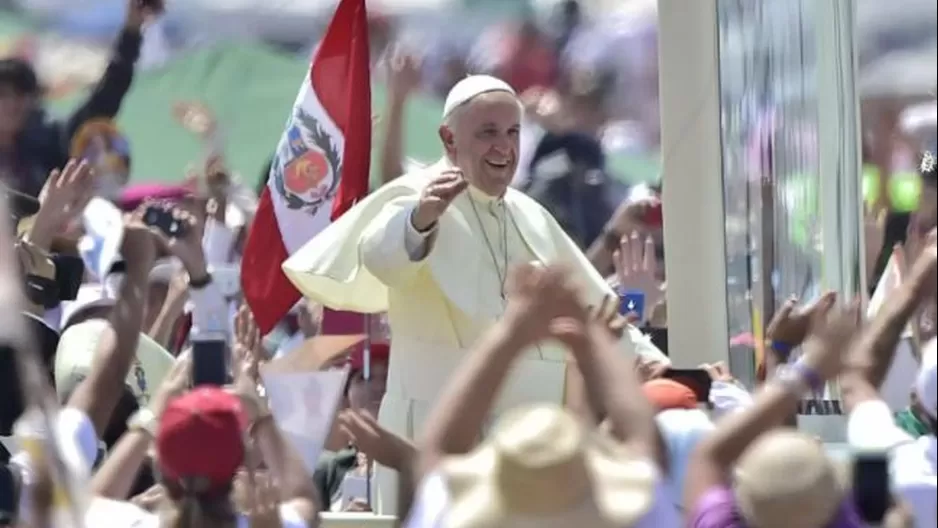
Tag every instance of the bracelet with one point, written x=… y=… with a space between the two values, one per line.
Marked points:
x=782 y=349
x=799 y=377
x=198 y=284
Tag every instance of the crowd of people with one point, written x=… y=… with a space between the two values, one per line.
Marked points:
x=517 y=376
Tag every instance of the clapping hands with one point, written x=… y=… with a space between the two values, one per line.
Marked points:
x=543 y=302
x=833 y=329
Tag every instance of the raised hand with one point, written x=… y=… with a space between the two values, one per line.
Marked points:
x=262 y=500
x=635 y=267
x=403 y=72
x=62 y=200
x=718 y=371
x=833 y=329
x=188 y=247
x=436 y=197
x=791 y=324
x=248 y=345
x=196 y=117
x=539 y=295
x=381 y=445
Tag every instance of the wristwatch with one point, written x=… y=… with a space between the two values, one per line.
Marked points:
x=143 y=420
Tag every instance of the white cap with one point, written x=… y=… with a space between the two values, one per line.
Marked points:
x=926 y=383
x=470 y=88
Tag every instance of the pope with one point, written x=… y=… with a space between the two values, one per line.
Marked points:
x=434 y=247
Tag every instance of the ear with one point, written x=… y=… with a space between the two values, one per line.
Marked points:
x=446 y=137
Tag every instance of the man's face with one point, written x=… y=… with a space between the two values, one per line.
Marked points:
x=14 y=107
x=482 y=140
x=367 y=394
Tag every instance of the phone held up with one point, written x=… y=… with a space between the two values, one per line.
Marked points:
x=163 y=219
x=871 y=486
x=697 y=380
x=210 y=363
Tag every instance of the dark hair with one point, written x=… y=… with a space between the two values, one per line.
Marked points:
x=20 y=75
x=199 y=511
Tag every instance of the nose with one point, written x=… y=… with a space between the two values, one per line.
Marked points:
x=502 y=144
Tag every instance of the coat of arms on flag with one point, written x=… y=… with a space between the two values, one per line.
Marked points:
x=307 y=164
x=321 y=164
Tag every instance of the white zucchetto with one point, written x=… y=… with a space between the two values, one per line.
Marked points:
x=472 y=87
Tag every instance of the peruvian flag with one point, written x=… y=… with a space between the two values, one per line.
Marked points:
x=320 y=168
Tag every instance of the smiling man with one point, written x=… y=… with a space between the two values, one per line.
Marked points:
x=433 y=248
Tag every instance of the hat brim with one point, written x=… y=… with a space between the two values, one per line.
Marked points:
x=622 y=490
x=313 y=354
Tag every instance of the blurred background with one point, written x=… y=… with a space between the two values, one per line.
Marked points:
x=589 y=68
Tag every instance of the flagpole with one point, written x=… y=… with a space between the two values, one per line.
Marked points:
x=366 y=374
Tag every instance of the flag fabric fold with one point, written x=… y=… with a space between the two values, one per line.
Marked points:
x=320 y=167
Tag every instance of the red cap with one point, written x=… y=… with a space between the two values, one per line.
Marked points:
x=668 y=394
x=379 y=352
x=200 y=442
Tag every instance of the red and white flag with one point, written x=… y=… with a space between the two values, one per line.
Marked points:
x=321 y=165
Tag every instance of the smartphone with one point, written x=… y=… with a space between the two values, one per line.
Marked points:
x=210 y=363
x=697 y=380
x=69 y=274
x=163 y=219
x=871 y=486
x=632 y=302
x=9 y=496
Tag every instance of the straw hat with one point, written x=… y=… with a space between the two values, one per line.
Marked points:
x=541 y=468
x=785 y=479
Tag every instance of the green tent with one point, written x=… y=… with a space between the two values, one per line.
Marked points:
x=251 y=88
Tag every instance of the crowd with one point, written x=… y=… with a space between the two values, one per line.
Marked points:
x=517 y=376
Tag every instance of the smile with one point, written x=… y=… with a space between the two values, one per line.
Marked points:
x=497 y=164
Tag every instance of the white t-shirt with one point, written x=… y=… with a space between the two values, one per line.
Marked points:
x=432 y=499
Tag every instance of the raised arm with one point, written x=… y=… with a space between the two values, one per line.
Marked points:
x=108 y=94
x=869 y=362
x=98 y=394
x=832 y=330
x=401 y=236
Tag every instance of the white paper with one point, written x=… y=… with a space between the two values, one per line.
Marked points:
x=104 y=231
x=304 y=405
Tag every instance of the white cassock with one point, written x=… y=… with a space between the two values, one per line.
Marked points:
x=369 y=261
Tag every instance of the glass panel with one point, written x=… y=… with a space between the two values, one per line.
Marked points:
x=769 y=134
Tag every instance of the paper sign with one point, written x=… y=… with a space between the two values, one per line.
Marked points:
x=304 y=406
x=104 y=231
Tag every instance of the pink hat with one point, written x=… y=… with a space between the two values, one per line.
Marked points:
x=134 y=195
